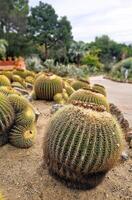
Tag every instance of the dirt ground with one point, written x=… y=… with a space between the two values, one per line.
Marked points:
x=23 y=178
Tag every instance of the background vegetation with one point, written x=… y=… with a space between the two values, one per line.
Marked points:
x=39 y=34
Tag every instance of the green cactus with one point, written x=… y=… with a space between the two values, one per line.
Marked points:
x=100 y=89
x=8 y=74
x=4 y=81
x=46 y=86
x=17 y=78
x=68 y=88
x=89 y=97
x=78 y=84
x=6 y=118
x=1 y=196
x=7 y=90
x=17 y=85
x=18 y=102
x=22 y=136
x=30 y=79
x=26 y=117
x=82 y=145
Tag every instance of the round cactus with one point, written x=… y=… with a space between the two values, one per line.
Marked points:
x=29 y=79
x=100 y=89
x=17 y=85
x=4 y=81
x=17 y=78
x=46 y=86
x=6 y=90
x=1 y=196
x=18 y=102
x=58 y=97
x=22 y=136
x=89 y=97
x=78 y=84
x=8 y=74
x=82 y=145
x=26 y=117
x=6 y=118
x=68 y=88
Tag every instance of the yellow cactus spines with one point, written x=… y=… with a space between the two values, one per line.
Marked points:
x=82 y=145
x=69 y=89
x=18 y=102
x=100 y=89
x=78 y=84
x=30 y=79
x=89 y=97
x=6 y=118
x=26 y=117
x=17 y=85
x=22 y=136
x=4 y=81
x=46 y=86
x=8 y=74
x=7 y=90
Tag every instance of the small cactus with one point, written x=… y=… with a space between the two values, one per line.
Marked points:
x=100 y=89
x=4 y=81
x=82 y=145
x=22 y=136
x=68 y=88
x=17 y=85
x=46 y=86
x=18 y=102
x=78 y=84
x=89 y=97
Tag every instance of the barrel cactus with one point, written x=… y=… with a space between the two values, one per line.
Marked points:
x=7 y=90
x=4 y=81
x=6 y=118
x=8 y=74
x=69 y=89
x=100 y=89
x=89 y=97
x=18 y=102
x=30 y=79
x=1 y=196
x=78 y=84
x=82 y=145
x=46 y=86
x=22 y=136
x=26 y=117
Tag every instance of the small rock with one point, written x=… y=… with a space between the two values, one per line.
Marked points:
x=124 y=156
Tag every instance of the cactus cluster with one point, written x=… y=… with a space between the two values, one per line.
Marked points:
x=46 y=86
x=100 y=89
x=4 y=81
x=82 y=145
x=17 y=119
x=89 y=97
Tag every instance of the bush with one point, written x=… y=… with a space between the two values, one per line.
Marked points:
x=34 y=63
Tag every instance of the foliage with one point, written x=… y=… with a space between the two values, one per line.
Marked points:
x=3 y=46
x=34 y=63
x=118 y=70
x=94 y=65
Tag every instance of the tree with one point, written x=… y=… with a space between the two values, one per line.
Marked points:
x=3 y=46
x=43 y=24
x=48 y=30
x=76 y=52
x=13 y=25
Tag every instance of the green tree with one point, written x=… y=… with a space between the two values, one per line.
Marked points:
x=76 y=52
x=3 y=46
x=49 y=31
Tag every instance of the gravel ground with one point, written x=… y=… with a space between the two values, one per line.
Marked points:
x=23 y=178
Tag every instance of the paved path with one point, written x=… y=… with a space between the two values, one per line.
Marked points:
x=118 y=93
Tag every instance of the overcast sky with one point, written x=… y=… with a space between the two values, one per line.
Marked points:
x=91 y=18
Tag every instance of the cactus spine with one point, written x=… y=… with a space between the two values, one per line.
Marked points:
x=46 y=86
x=89 y=97
x=82 y=145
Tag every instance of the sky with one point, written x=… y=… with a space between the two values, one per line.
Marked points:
x=91 y=18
